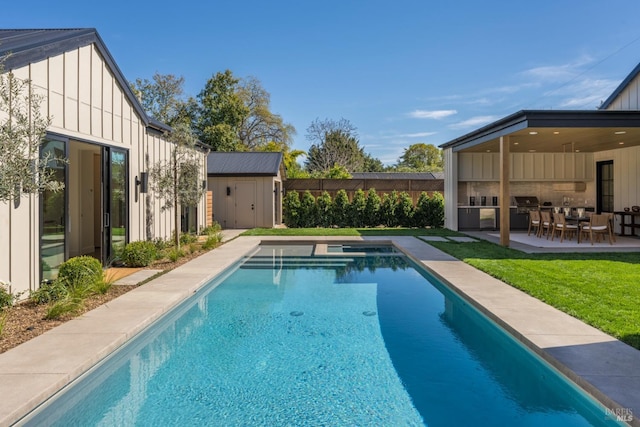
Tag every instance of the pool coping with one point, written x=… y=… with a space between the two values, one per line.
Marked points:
x=601 y=365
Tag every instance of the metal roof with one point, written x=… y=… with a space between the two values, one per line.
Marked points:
x=394 y=175
x=243 y=163
x=20 y=47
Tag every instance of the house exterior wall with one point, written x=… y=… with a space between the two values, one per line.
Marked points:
x=629 y=98
x=86 y=104
x=626 y=179
x=224 y=207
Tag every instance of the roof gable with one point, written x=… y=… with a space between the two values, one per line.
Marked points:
x=243 y=163
x=632 y=75
x=23 y=47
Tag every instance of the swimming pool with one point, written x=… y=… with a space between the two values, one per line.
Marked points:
x=286 y=337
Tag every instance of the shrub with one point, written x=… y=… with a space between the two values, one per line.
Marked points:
x=211 y=229
x=161 y=244
x=388 y=209
x=78 y=270
x=372 y=209
x=341 y=209
x=175 y=254
x=324 y=209
x=436 y=210
x=308 y=211
x=188 y=238
x=49 y=292
x=357 y=208
x=291 y=209
x=212 y=241
x=139 y=254
x=421 y=214
x=6 y=297
x=404 y=210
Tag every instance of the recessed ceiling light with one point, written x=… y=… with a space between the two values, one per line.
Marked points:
x=621 y=143
x=533 y=132
x=532 y=151
x=516 y=143
x=556 y=133
x=620 y=132
x=488 y=151
x=577 y=151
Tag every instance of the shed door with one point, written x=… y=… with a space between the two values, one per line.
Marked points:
x=245 y=204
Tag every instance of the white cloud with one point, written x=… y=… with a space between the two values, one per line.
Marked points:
x=561 y=72
x=415 y=135
x=474 y=122
x=434 y=114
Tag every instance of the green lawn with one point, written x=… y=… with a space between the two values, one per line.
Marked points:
x=601 y=289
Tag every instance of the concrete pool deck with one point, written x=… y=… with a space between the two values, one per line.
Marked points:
x=600 y=364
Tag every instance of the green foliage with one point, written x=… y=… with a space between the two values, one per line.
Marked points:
x=436 y=210
x=24 y=167
x=291 y=209
x=324 y=206
x=388 y=209
x=404 y=210
x=337 y=172
x=372 y=209
x=49 y=292
x=357 y=209
x=161 y=244
x=421 y=158
x=341 y=209
x=175 y=254
x=211 y=229
x=212 y=241
x=308 y=212
x=188 y=238
x=139 y=254
x=6 y=297
x=421 y=214
x=79 y=270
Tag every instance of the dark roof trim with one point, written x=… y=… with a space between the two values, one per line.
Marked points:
x=632 y=75
x=545 y=119
x=39 y=44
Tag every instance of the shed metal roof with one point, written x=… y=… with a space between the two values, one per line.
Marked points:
x=243 y=163
x=20 y=47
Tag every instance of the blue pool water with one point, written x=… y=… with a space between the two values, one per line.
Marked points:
x=332 y=340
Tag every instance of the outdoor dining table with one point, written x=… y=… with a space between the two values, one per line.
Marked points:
x=577 y=220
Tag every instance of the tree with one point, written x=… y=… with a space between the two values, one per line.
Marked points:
x=421 y=158
x=333 y=144
x=162 y=98
x=341 y=209
x=324 y=207
x=221 y=113
x=289 y=158
x=260 y=126
x=178 y=179
x=358 y=207
x=372 y=209
x=24 y=167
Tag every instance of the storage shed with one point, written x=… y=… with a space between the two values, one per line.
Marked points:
x=247 y=188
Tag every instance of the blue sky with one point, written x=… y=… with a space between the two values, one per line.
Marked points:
x=402 y=72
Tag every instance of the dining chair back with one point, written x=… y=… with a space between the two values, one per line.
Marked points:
x=599 y=225
x=560 y=226
x=545 y=224
x=534 y=222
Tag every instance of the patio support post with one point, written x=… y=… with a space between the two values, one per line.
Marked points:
x=505 y=197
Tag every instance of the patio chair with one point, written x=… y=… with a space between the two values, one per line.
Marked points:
x=599 y=224
x=611 y=224
x=534 y=222
x=561 y=226
x=545 y=224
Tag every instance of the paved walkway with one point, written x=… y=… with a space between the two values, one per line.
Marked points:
x=35 y=370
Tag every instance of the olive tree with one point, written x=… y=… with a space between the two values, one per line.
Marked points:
x=24 y=169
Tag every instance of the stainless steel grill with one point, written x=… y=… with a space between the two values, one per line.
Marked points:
x=524 y=204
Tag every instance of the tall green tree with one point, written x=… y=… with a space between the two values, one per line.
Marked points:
x=221 y=112
x=177 y=180
x=421 y=158
x=23 y=168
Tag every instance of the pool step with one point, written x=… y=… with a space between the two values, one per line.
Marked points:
x=295 y=262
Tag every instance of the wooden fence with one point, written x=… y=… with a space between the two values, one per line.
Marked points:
x=412 y=186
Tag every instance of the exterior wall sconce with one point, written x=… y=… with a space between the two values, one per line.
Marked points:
x=204 y=184
x=228 y=191
x=143 y=182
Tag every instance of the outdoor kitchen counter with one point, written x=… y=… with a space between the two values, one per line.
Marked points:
x=470 y=218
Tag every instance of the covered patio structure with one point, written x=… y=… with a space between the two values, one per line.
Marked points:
x=580 y=157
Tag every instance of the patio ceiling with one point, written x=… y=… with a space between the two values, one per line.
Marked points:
x=555 y=131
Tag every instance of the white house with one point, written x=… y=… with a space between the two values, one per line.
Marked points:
x=110 y=143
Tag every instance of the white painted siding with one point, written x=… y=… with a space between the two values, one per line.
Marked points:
x=629 y=98
x=86 y=104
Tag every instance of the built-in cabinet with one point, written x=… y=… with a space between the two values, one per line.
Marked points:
x=527 y=167
x=469 y=219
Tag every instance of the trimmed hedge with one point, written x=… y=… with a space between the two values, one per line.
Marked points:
x=140 y=253
x=366 y=210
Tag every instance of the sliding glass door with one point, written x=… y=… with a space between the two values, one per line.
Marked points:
x=115 y=209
